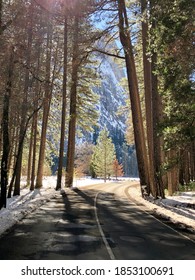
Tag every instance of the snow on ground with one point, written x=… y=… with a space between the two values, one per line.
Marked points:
x=19 y=206
x=179 y=209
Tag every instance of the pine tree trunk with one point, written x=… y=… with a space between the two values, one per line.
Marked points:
x=35 y=123
x=173 y=174
x=1 y=135
x=46 y=109
x=23 y=123
x=148 y=98
x=156 y=109
x=134 y=94
x=186 y=167
x=157 y=117
x=47 y=102
x=40 y=167
x=181 y=169
x=63 y=117
x=169 y=175
x=192 y=161
x=73 y=105
x=17 y=167
x=5 y=126
x=30 y=157
x=12 y=142
x=22 y=133
x=32 y=180
x=1 y=12
x=12 y=160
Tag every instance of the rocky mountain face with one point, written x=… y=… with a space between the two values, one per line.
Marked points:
x=112 y=97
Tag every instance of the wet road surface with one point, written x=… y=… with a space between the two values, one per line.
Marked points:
x=91 y=224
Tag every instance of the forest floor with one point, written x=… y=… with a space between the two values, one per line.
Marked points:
x=179 y=209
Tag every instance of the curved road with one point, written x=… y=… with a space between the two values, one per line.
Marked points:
x=95 y=222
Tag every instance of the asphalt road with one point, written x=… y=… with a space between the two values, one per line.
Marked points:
x=95 y=223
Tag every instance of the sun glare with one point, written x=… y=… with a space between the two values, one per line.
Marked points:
x=56 y=4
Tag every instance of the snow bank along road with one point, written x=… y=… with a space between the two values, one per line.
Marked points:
x=96 y=223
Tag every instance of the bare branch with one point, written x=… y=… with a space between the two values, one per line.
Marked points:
x=108 y=53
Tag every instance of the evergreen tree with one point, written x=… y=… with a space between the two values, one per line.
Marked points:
x=173 y=37
x=103 y=156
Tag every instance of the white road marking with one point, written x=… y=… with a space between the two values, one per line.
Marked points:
x=109 y=250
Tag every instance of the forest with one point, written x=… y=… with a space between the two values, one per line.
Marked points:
x=48 y=72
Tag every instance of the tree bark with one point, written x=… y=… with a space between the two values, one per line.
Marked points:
x=35 y=123
x=24 y=106
x=32 y=179
x=30 y=155
x=22 y=134
x=192 y=160
x=46 y=109
x=148 y=98
x=157 y=118
x=5 y=126
x=73 y=105
x=134 y=94
x=1 y=135
x=63 y=117
x=18 y=159
x=186 y=159
x=1 y=11
x=173 y=174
